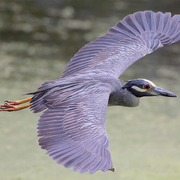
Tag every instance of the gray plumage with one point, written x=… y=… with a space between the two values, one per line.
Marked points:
x=72 y=127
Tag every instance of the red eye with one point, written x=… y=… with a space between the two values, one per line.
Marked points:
x=147 y=86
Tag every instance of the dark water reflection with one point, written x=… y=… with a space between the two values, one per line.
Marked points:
x=56 y=29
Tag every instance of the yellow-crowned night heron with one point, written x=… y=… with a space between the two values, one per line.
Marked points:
x=72 y=127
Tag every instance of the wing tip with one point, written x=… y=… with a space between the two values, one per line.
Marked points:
x=141 y=22
x=112 y=169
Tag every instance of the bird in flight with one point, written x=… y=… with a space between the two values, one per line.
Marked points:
x=72 y=127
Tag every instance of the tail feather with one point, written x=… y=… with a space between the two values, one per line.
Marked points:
x=38 y=102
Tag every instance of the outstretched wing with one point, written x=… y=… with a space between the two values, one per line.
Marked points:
x=73 y=132
x=135 y=36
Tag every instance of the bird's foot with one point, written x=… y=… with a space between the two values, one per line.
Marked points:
x=13 y=105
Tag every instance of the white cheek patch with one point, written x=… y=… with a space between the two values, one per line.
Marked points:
x=138 y=89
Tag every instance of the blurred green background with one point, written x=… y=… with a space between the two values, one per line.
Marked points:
x=37 y=39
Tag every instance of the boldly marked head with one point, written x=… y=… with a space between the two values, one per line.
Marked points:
x=144 y=87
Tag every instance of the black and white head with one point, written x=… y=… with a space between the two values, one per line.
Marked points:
x=144 y=87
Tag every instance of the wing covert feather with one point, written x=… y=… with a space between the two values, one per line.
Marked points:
x=132 y=38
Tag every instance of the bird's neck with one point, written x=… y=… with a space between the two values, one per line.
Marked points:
x=123 y=97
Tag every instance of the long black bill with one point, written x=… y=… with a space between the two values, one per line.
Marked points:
x=163 y=92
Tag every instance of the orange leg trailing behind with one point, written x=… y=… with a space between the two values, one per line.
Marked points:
x=13 y=105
